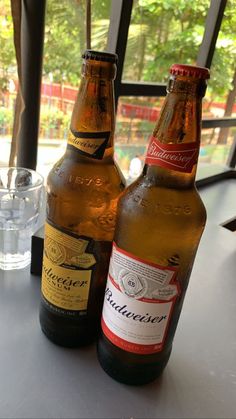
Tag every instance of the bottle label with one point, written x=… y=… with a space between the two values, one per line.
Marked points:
x=179 y=157
x=90 y=144
x=67 y=270
x=138 y=303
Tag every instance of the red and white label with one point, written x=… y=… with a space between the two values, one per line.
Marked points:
x=179 y=157
x=138 y=303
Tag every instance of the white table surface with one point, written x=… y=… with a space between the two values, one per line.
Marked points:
x=41 y=380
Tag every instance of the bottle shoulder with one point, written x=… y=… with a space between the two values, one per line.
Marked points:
x=150 y=199
x=155 y=223
x=83 y=198
x=78 y=176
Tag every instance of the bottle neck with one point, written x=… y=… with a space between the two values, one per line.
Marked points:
x=174 y=147
x=93 y=117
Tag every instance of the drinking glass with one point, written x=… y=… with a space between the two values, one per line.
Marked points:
x=21 y=195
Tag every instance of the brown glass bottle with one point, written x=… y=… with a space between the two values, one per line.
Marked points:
x=160 y=221
x=82 y=192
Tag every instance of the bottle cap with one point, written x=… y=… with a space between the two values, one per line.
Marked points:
x=190 y=71
x=100 y=56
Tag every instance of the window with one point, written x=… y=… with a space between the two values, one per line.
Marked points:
x=148 y=35
x=159 y=34
x=64 y=43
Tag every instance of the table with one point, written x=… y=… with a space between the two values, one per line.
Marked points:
x=42 y=380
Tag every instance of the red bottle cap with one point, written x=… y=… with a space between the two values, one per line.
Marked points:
x=190 y=71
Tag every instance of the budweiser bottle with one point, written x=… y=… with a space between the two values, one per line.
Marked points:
x=159 y=225
x=82 y=193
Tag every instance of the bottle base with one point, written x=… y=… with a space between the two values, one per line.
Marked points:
x=67 y=342
x=65 y=332
x=127 y=373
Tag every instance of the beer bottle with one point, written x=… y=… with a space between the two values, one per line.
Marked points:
x=160 y=220
x=82 y=193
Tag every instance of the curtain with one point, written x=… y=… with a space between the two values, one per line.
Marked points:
x=16 y=16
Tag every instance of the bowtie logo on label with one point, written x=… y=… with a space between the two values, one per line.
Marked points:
x=90 y=144
x=179 y=157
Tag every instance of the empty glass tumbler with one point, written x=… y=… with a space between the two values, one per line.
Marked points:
x=21 y=195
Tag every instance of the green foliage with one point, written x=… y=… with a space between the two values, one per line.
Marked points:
x=161 y=33
x=164 y=32
x=170 y=32
x=64 y=40
x=6 y=119
x=65 y=36
x=7 y=53
x=145 y=126
x=224 y=60
x=51 y=118
x=53 y=123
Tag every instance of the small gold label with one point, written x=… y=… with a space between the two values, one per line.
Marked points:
x=63 y=283
x=89 y=144
x=85 y=261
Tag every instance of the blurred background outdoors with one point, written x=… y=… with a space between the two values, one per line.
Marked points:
x=161 y=33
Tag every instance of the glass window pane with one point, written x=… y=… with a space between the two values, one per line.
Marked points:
x=221 y=92
x=65 y=41
x=100 y=23
x=162 y=33
x=136 y=118
x=213 y=152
